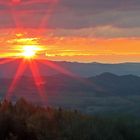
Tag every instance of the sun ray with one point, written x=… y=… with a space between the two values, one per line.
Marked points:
x=48 y=13
x=37 y=79
x=57 y=67
x=19 y=72
x=68 y=73
x=15 y=14
x=29 y=52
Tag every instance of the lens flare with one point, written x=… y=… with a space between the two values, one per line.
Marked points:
x=30 y=51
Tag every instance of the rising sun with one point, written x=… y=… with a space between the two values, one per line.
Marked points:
x=30 y=51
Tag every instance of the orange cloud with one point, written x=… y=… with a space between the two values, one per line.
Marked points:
x=73 y=48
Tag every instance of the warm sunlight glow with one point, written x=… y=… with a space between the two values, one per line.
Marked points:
x=16 y=1
x=30 y=51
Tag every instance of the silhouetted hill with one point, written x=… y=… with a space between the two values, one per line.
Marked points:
x=105 y=84
x=118 y=85
x=106 y=75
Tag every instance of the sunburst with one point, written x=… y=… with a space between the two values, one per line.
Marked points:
x=30 y=51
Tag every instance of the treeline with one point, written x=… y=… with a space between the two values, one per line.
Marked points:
x=25 y=121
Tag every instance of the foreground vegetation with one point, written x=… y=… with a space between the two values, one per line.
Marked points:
x=25 y=121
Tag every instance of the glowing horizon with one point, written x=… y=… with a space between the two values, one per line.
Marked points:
x=73 y=48
x=67 y=30
x=63 y=35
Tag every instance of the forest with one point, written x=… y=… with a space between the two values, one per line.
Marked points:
x=23 y=120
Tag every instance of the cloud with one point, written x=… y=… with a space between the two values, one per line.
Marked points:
x=91 y=13
x=115 y=18
x=100 y=32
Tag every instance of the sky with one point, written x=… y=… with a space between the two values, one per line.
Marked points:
x=106 y=31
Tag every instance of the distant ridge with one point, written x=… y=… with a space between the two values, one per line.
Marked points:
x=79 y=69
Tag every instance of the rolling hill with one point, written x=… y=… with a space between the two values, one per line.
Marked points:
x=106 y=93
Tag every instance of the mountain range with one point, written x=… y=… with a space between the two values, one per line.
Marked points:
x=106 y=93
x=92 y=87
x=80 y=69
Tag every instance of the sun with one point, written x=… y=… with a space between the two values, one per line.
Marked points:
x=30 y=51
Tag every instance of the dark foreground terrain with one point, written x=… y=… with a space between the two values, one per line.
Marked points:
x=25 y=121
